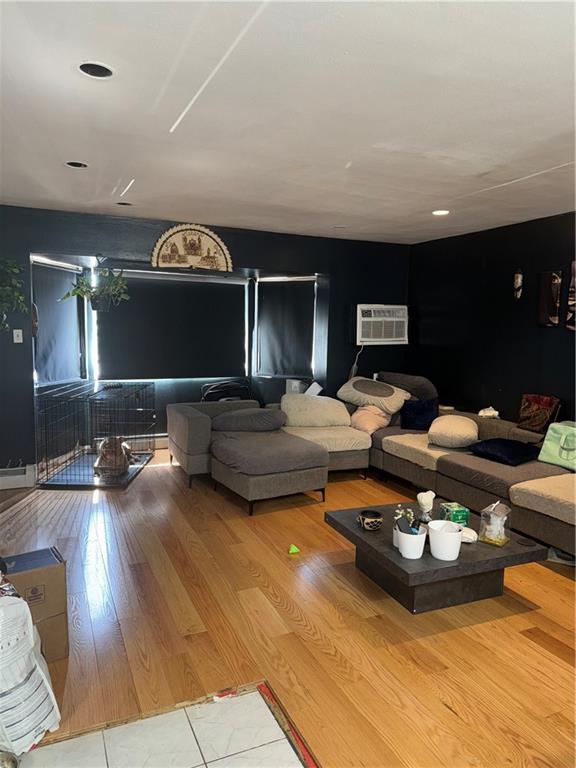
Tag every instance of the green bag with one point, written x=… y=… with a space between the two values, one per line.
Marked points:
x=560 y=445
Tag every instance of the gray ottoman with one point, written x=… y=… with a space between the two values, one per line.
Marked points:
x=265 y=465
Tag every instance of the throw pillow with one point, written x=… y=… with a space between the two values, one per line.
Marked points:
x=537 y=412
x=314 y=411
x=453 y=432
x=511 y=452
x=249 y=420
x=362 y=391
x=560 y=445
x=419 y=414
x=369 y=418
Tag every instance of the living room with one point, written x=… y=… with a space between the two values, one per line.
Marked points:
x=333 y=246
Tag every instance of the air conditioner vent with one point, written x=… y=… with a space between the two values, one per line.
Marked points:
x=381 y=324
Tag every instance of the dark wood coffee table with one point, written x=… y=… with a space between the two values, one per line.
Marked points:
x=428 y=584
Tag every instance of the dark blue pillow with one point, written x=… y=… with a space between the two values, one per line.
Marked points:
x=511 y=452
x=419 y=414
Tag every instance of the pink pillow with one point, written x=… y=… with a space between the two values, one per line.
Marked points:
x=369 y=418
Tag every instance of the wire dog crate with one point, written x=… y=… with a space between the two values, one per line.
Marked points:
x=94 y=434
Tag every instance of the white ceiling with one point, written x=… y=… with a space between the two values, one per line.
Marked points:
x=366 y=116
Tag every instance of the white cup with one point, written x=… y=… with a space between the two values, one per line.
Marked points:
x=411 y=545
x=395 y=536
x=445 y=539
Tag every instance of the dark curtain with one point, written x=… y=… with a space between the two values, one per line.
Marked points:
x=57 y=345
x=285 y=329
x=170 y=330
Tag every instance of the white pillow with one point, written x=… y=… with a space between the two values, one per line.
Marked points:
x=313 y=411
x=453 y=432
x=362 y=391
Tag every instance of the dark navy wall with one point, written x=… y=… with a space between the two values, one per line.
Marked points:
x=471 y=337
x=356 y=271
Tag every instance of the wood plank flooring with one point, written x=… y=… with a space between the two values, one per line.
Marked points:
x=177 y=593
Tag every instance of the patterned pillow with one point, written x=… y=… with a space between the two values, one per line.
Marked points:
x=537 y=412
x=362 y=391
x=369 y=418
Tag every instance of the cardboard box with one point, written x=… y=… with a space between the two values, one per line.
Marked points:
x=40 y=578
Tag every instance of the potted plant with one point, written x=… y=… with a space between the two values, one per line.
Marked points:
x=111 y=288
x=11 y=291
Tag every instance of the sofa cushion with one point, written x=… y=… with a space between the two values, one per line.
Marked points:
x=249 y=420
x=453 y=432
x=419 y=414
x=362 y=391
x=392 y=431
x=492 y=477
x=314 y=411
x=369 y=418
x=334 y=439
x=265 y=453
x=552 y=496
x=511 y=452
x=414 y=448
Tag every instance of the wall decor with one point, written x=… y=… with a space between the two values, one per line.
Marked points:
x=549 y=306
x=571 y=310
x=193 y=246
x=518 y=282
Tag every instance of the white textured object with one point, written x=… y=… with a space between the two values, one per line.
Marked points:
x=489 y=413
x=29 y=707
x=453 y=432
x=313 y=411
x=425 y=501
x=469 y=536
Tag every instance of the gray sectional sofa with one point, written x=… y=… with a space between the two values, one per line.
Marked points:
x=297 y=458
x=541 y=495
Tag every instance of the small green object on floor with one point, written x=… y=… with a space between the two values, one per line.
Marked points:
x=293 y=550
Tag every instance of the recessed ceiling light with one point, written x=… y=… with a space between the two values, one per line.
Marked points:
x=76 y=164
x=122 y=203
x=92 y=69
x=340 y=226
x=440 y=213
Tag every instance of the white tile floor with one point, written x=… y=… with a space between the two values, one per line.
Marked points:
x=238 y=732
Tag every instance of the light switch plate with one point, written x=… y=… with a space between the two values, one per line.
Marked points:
x=17 y=336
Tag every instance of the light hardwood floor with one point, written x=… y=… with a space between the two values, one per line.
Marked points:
x=177 y=593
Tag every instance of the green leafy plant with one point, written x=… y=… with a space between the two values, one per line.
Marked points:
x=111 y=287
x=11 y=291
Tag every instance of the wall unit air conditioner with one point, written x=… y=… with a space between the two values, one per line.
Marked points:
x=381 y=324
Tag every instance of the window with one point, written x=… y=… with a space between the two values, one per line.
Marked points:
x=59 y=340
x=174 y=328
x=285 y=327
